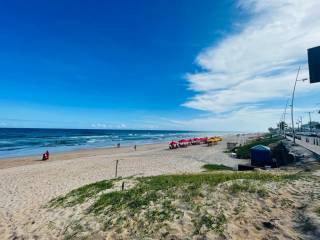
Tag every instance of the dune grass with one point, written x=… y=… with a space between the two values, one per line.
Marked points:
x=210 y=222
x=80 y=195
x=149 y=189
x=248 y=186
x=151 y=203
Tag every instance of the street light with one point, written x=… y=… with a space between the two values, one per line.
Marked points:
x=284 y=118
x=300 y=123
x=310 y=120
x=292 y=98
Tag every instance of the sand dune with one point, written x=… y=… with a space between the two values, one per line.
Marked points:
x=26 y=185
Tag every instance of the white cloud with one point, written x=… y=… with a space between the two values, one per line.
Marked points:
x=247 y=119
x=122 y=125
x=108 y=126
x=260 y=62
x=100 y=125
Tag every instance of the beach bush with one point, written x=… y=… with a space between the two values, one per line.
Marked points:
x=81 y=194
x=152 y=189
x=153 y=202
x=244 y=151
x=208 y=221
x=216 y=167
x=248 y=186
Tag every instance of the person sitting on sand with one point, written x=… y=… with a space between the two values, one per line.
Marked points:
x=45 y=156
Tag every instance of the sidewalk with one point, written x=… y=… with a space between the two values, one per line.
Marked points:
x=310 y=146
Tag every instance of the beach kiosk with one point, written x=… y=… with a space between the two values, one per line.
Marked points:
x=261 y=156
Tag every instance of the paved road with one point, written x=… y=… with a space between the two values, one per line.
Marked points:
x=308 y=145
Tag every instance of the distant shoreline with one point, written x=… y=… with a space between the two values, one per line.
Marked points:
x=86 y=153
x=8 y=162
x=26 y=142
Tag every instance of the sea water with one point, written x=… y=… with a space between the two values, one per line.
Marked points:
x=15 y=142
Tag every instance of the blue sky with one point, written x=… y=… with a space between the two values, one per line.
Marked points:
x=152 y=64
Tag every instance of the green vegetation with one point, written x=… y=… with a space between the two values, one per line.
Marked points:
x=216 y=167
x=166 y=212
x=149 y=189
x=239 y=208
x=81 y=194
x=244 y=151
x=208 y=221
x=155 y=201
x=286 y=203
x=75 y=228
x=248 y=186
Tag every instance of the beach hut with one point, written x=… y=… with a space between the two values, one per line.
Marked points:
x=261 y=156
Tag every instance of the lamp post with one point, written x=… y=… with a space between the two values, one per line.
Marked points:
x=292 y=98
x=284 y=118
x=310 y=128
x=309 y=121
x=298 y=124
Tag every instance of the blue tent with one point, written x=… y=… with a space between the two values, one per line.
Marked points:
x=261 y=156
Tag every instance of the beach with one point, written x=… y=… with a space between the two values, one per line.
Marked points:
x=160 y=120
x=27 y=184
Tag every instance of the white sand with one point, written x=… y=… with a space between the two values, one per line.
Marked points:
x=25 y=189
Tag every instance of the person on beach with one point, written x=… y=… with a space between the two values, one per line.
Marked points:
x=118 y=145
x=135 y=147
x=45 y=156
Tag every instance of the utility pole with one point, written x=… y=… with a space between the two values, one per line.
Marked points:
x=292 y=98
x=309 y=121
x=284 y=118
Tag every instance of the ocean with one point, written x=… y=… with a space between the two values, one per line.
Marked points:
x=16 y=142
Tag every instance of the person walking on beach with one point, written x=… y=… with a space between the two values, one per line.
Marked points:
x=118 y=145
x=135 y=147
